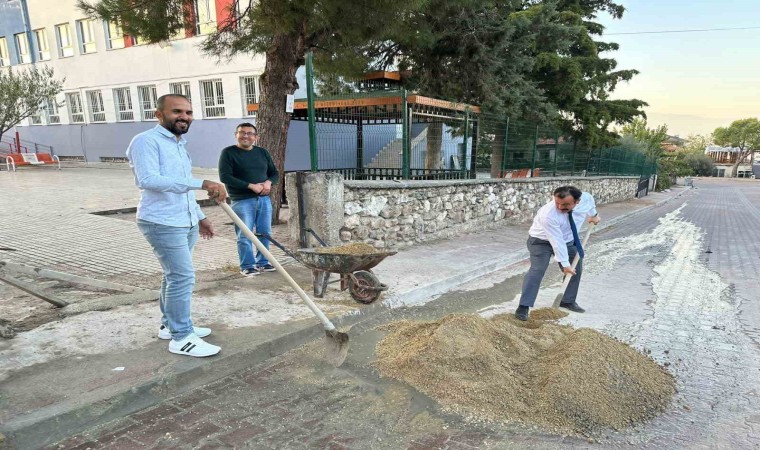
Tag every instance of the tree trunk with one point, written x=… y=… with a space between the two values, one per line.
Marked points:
x=739 y=159
x=434 y=141
x=277 y=81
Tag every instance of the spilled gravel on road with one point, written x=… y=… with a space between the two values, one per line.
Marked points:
x=538 y=373
x=608 y=253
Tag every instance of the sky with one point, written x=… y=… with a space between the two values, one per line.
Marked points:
x=694 y=82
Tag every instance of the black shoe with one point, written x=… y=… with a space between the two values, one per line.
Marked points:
x=266 y=268
x=249 y=272
x=522 y=313
x=574 y=307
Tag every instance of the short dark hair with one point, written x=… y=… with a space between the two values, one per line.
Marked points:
x=161 y=100
x=564 y=191
x=247 y=125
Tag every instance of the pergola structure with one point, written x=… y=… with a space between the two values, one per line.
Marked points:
x=379 y=101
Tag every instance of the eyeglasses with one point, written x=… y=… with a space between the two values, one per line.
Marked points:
x=247 y=134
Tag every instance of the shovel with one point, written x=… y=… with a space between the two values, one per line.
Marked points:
x=566 y=280
x=337 y=342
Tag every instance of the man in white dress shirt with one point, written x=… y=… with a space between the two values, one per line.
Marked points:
x=554 y=232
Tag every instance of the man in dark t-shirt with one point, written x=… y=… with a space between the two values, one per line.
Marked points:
x=249 y=172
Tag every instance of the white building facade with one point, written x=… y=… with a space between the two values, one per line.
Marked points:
x=112 y=81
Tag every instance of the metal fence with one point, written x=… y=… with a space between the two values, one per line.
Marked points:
x=513 y=148
x=374 y=129
x=374 y=145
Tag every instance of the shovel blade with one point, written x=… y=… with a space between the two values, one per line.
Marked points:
x=336 y=347
x=558 y=300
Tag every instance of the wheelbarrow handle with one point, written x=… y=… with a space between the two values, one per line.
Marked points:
x=313 y=233
x=278 y=245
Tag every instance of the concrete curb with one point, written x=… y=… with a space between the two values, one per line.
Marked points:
x=421 y=293
x=52 y=424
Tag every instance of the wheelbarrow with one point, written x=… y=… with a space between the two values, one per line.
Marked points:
x=355 y=270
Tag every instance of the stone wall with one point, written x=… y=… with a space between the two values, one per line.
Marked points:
x=398 y=214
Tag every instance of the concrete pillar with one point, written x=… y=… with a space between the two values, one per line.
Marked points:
x=323 y=206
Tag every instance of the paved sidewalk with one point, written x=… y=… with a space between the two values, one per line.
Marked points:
x=253 y=319
x=46 y=217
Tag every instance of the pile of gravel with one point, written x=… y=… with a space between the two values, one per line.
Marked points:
x=537 y=372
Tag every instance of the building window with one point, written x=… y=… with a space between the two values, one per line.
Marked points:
x=4 y=58
x=213 y=98
x=205 y=16
x=63 y=36
x=43 y=46
x=22 y=49
x=114 y=34
x=123 y=99
x=250 y=93
x=51 y=111
x=95 y=102
x=146 y=95
x=36 y=117
x=76 y=112
x=86 y=32
x=181 y=88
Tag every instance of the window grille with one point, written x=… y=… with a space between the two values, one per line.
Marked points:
x=95 y=103
x=148 y=99
x=122 y=98
x=76 y=112
x=213 y=98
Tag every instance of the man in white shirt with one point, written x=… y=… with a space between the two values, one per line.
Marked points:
x=171 y=220
x=554 y=232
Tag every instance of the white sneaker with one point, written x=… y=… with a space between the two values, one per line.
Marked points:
x=164 y=333
x=192 y=345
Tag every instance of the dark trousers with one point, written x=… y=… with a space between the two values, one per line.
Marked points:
x=540 y=254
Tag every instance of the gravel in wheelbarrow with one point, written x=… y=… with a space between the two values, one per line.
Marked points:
x=344 y=259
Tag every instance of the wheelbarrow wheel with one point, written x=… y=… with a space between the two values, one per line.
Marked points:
x=364 y=286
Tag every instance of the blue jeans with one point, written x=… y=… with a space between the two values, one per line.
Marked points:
x=540 y=254
x=173 y=246
x=256 y=214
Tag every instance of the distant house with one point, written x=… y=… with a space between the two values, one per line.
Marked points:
x=672 y=143
x=725 y=158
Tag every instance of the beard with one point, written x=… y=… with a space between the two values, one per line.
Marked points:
x=177 y=127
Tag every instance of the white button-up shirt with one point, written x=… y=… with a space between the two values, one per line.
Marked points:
x=551 y=224
x=162 y=170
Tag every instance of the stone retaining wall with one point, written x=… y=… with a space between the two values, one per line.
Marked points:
x=390 y=214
